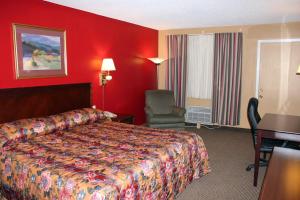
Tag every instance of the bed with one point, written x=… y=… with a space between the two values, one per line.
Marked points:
x=73 y=152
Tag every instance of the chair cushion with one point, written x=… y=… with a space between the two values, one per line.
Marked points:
x=165 y=118
x=176 y=126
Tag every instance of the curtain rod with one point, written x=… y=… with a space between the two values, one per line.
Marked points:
x=195 y=34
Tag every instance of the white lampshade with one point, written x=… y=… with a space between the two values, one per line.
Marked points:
x=157 y=60
x=108 y=65
x=298 y=71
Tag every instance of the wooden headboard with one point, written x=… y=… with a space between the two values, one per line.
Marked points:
x=19 y=103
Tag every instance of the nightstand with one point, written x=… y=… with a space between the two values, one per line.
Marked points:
x=123 y=118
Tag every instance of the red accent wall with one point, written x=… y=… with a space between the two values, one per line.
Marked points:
x=90 y=38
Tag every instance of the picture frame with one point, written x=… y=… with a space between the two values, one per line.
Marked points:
x=39 y=52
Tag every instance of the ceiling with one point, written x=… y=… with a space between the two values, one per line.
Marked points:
x=176 y=14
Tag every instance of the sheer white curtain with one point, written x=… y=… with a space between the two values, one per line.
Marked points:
x=200 y=60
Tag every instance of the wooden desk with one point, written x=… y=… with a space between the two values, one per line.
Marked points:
x=281 y=127
x=282 y=179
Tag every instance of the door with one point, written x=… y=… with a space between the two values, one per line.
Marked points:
x=279 y=86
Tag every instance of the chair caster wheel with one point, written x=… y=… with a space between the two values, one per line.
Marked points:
x=248 y=168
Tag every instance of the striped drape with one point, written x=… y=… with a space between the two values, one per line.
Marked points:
x=227 y=78
x=177 y=65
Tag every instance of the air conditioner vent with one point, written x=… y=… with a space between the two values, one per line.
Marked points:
x=196 y=114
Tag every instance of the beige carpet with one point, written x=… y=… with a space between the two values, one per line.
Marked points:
x=230 y=151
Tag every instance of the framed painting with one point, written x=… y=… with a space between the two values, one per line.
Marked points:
x=39 y=52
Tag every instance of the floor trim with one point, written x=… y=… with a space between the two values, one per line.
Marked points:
x=245 y=130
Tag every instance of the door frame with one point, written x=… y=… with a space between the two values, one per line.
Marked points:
x=259 y=43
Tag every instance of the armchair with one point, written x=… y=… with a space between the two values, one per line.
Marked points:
x=161 y=111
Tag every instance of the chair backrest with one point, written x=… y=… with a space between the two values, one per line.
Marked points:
x=160 y=101
x=253 y=117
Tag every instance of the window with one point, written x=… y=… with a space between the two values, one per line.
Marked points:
x=200 y=51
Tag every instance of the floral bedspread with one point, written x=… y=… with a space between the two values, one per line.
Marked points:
x=105 y=160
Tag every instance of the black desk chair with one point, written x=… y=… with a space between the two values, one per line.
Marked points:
x=267 y=144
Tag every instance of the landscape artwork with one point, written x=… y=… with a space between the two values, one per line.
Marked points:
x=40 y=52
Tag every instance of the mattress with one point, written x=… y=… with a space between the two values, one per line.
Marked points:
x=102 y=160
